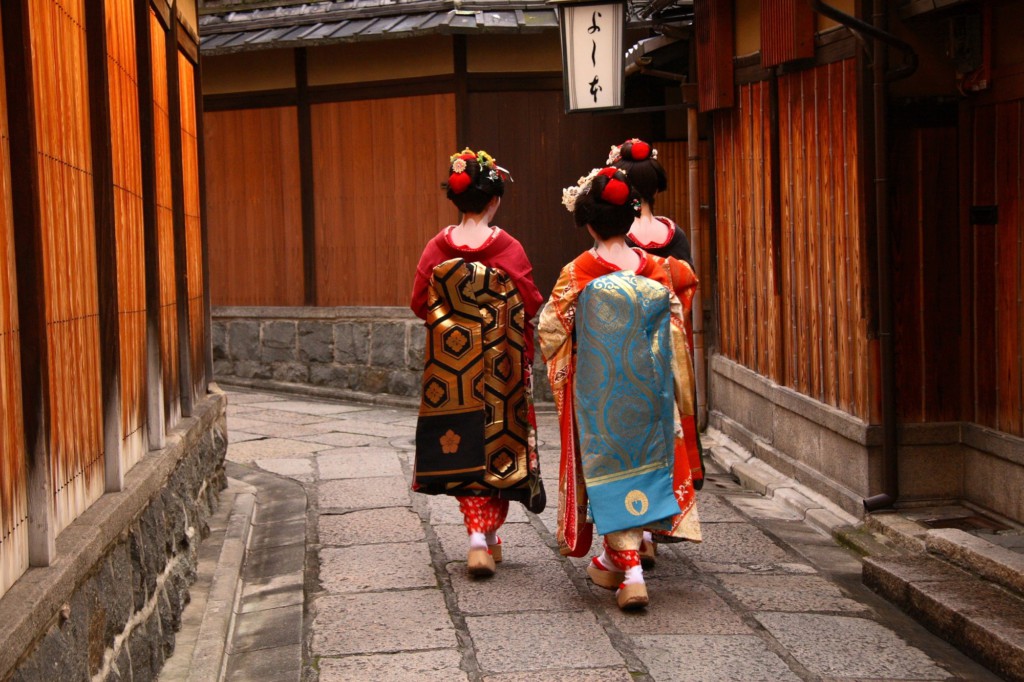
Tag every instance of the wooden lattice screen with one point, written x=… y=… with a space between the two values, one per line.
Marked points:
x=122 y=76
x=13 y=499
x=165 y=220
x=193 y=226
x=70 y=289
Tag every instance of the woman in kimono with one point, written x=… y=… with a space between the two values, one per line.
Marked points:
x=476 y=432
x=613 y=337
x=662 y=237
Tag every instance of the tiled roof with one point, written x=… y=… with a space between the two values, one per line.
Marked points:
x=236 y=26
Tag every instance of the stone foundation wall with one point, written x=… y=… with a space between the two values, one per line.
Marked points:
x=110 y=604
x=839 y=456
x=369 y=353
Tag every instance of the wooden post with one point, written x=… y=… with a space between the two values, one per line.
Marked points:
x=154 y=363
x=28 y=249
x=106 y=241
x=180 y=241
x=305 y=123
x=201 y=159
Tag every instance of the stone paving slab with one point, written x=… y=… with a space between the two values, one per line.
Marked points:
x=619 y=674
x=441 y=665
x=358 y=463
x=364 y=493
x=300 y=469
x=847 y=647
x=679 y=607
x=370 y=527
x=271 y=448
x=702 y=658
x=394 y=566
x=526 y=641
x=789 y=593
x=341 y=439
x=379 y=622
x=519 y=582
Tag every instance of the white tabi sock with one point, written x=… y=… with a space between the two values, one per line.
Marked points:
x=492 y=538
x=634 y=575
x=608 y=564
x=477 y=541
x=647 y=536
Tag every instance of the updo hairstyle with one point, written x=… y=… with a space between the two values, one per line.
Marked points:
x=473 y=180
x=609 y=205
x=640 y=161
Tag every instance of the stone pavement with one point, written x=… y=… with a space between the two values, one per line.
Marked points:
x=766 y=596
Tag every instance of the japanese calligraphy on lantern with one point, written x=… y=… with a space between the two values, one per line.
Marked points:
x=592 y=55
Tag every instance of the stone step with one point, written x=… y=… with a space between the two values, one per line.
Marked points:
x=983 y=619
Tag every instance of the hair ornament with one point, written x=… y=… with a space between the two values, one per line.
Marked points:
x=459 y=165
x=571 y=194
x=459 y=182
x=635 y=150
x=615 y=192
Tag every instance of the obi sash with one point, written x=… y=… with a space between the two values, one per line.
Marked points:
x=624 y=401
x=475 y=433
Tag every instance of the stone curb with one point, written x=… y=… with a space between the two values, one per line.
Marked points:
x=208 y=657
x=755 y=475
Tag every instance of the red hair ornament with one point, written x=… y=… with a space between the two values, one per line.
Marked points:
x=459 y=182
x=615 y=192
x=639 y=151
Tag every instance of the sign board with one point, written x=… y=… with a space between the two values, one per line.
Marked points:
x=592 y=55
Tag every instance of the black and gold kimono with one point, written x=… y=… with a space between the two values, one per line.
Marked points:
x=476 y=433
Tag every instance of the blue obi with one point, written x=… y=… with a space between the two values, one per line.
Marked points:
x=625 y=401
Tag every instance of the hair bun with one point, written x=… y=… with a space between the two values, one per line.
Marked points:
x=639 y=150
x=615 y=192
x=459 y=182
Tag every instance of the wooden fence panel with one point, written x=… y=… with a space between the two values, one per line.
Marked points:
x=122 y=76
x=60 y=80
x=377 y=167
x=750 y=322
x=997 y=281
x=193 y=224
x=254 y=206
x=808 y=330
x=13 y=497
x=165 y=221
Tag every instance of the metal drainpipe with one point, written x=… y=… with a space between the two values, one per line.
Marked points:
x=693 y=197
x=880 y=77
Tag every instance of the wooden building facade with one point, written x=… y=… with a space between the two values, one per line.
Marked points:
x=868 y=237
x=103 y=297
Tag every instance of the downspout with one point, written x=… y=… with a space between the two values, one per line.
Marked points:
x=886 y=339
x=693 y=197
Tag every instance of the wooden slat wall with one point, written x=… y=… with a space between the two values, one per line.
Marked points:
x=254 y=206
x=997 y=284
x=787 y=31
x=925 y=224
x=69 y=254
x=193 y=226
x=812 y=336
x=715 y=40
x=13 y=499
x=165 y=220
x=122 y=76
x=378 y=165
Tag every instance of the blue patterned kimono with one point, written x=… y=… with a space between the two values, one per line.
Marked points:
x=624 y=401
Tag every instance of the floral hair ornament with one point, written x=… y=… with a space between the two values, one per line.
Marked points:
x=633 y=149
x=571 y=194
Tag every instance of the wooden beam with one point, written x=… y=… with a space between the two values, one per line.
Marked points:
x=154 y=362
x=203 y=226
x=28 y=250
x=306 y=179
x=106 y=241
x=461 y=89
x=180 y=242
